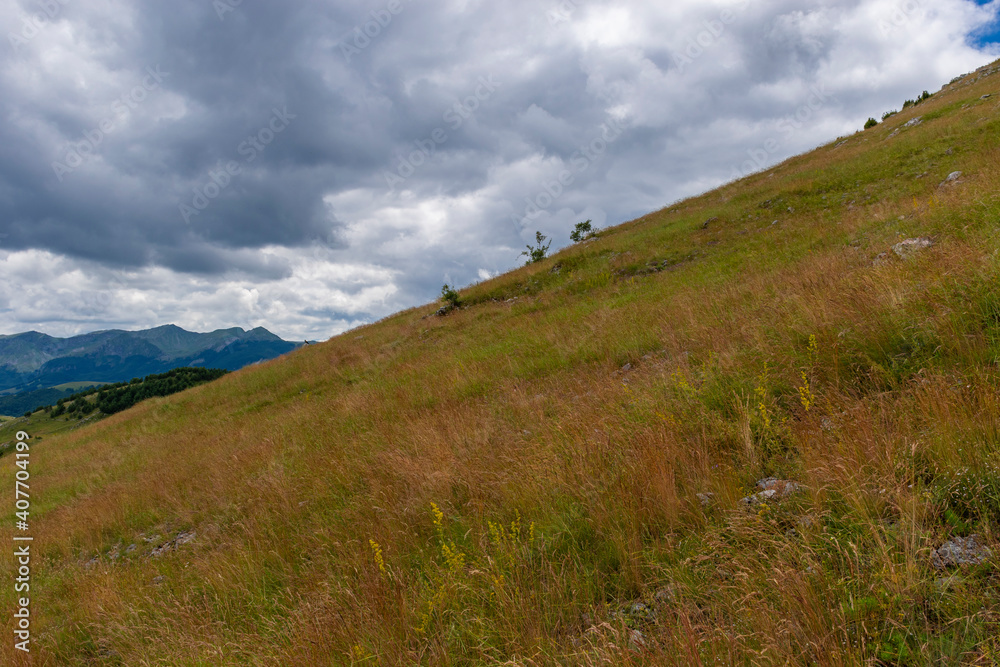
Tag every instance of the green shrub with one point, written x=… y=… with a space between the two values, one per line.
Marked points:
x=540 y=251
x=870 y=123
x=450 y=297
x=583 y=230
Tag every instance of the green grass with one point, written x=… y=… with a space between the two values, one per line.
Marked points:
x=495 y=487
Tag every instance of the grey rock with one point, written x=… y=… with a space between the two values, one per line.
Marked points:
x=706 y=499
x=159 y=580
x=909 y=247
x=952 y=178
x=945 y=584
x=182 y=538
x=773 y=489
x=666 y=595
x=635 y=613
x=960 y=552
x=636 y=641
x=914 y=122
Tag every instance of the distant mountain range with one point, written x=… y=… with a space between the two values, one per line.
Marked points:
x=30 y=362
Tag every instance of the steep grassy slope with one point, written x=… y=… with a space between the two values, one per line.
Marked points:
x=503 y=484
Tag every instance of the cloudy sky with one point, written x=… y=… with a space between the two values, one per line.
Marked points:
x=310 y=165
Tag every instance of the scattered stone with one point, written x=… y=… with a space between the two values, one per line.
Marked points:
x=914 y=122
x=952 y=177
x=773 y=489
x=960 y=552
x=130 y=548
x=807 y=521
x=706 y=499
x=107 y=653
x=159 y=580
x=627 y=367
x=636 y=641
x=906 y=249
x=708 y=222
x=182 y=538
x=986 y=96
x=665 y=596
x=90 y=563
x=639 y=612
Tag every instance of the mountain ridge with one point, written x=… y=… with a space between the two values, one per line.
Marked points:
x=33 y=360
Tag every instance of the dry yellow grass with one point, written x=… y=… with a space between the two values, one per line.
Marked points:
x=566 y=484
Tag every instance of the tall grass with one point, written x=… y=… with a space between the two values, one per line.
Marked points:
x=494 y=487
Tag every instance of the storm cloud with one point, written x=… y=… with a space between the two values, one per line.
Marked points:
x=311 y=165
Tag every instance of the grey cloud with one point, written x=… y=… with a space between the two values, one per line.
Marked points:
x=312 y=213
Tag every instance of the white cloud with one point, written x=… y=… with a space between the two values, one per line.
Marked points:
x=311 y=240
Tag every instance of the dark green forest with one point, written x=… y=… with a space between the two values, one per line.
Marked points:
x=112 y=398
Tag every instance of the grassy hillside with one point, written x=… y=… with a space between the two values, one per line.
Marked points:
x=518 y=482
